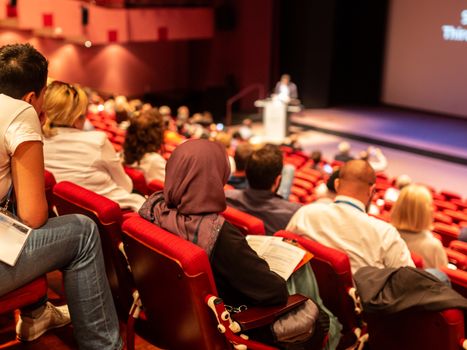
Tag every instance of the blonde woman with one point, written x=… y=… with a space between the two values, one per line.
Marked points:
x=86 y=158
x=412 y=215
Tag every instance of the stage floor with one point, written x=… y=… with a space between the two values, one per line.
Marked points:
x=426 y=134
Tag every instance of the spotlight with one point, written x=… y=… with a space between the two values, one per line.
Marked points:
x=88 y=44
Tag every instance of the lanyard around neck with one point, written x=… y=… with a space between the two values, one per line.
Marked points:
x=351 y=204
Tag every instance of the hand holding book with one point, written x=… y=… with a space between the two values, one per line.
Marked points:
x=283 y=257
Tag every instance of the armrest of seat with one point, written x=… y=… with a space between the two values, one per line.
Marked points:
x=255 y=317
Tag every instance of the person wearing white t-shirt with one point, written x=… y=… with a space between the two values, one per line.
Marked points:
x=86 y=158
x=70 y=242
x=143 y=143
x=345 y=225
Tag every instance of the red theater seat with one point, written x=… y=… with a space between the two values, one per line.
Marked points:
x=456 y=258
x=332 y=270
x=138 y=179
x=459 y=246
x=417 y=260
x=451 y=195
x=173 y=277
x=26 y=295
x=448 y=232
x=155 y=186
x=50 y=182
x=73 y=199
x=306 y=185
x=248 y=224
x=411 y=330
x=442 y=205
x=441 y=217
x=458 y=280
x=456 y=216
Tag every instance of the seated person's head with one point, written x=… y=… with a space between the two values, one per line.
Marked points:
x=65 y=105
x=224 y=139
x=402 y=181
x=196 y=174
x=413 y=210
x=242 y=153
x=356 y=179
x=183 y=113
x=165 y=111
x=316 y=157
x=144 y=135
x=344 y=147
x=23 y=72
x=285 y=79
x=264 y=168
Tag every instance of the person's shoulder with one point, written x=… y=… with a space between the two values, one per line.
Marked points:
x=291 y=205
x=315 y=207
x=379 y=224
x=234 y=193
x=230 y=233
x=94 y=137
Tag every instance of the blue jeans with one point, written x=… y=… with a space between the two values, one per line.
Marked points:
x=288 y=173
x=71 y=243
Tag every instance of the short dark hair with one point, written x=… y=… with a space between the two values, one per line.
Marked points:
x=23 y=69
x=242 y=153
x=263 y=167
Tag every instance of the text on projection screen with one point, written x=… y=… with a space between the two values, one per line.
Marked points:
x=456 y=33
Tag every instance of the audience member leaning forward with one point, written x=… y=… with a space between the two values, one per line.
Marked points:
x=345 y=225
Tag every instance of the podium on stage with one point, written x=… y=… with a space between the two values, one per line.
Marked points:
x=276 y=118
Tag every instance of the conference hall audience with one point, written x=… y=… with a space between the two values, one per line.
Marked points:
x=346 y=226
x=143 y=143
x=263 y=172
x=412 y=215
x=189 y=207
x=86 y=158
x=238 y=178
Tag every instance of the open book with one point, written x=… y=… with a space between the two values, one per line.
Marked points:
x=282 y=257
x=13 y=235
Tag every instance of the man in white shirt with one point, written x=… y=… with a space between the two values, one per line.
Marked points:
x=345 y=225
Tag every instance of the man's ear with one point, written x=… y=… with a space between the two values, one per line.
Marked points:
x=277 y=183
x=336 y=184
x=29 y=97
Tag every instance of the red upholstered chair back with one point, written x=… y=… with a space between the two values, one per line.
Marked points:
x=50 y=182
x=417 y=260
x=155 y=186
x=173 y=276
x=248 y=224
x=459 y=246
x=26 y=295
x=458 y=280
x=138 y=179
x=73 y=199
x=332 y=270
x=417 y=330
